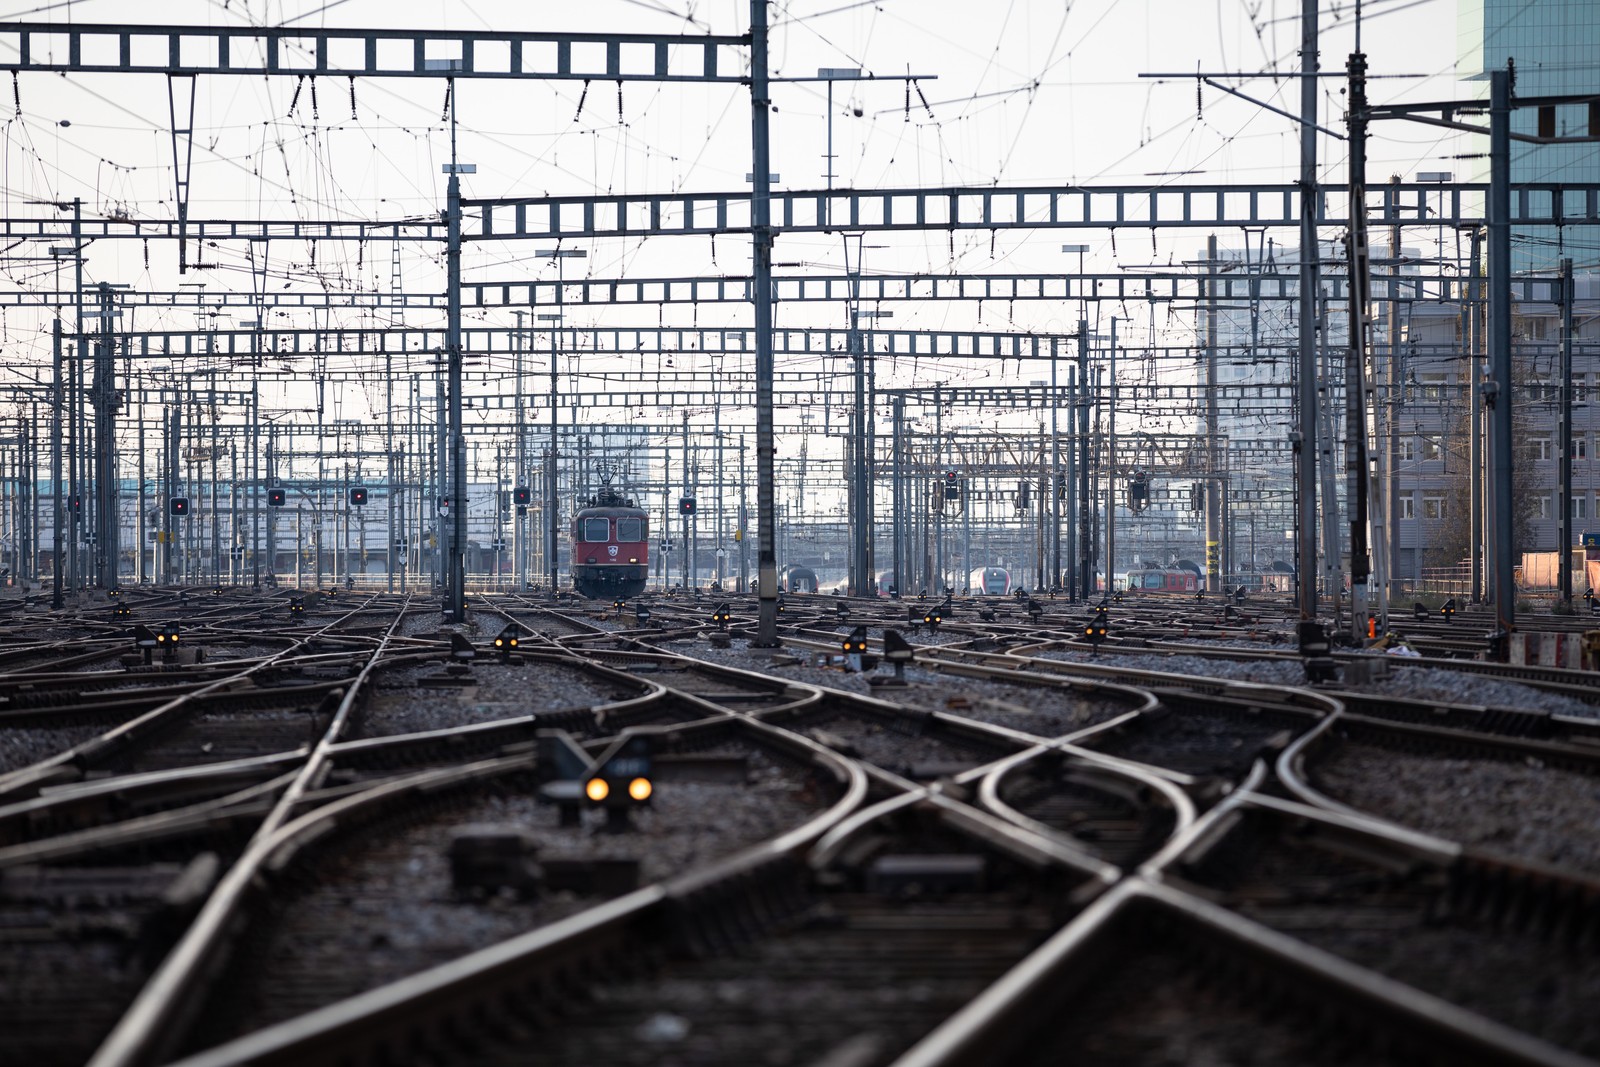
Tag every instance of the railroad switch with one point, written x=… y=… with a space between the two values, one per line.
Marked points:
x=458 y=669
x=560 y=764
x=897 y=652
x=986 y=613
x=145 y=640
x=486 y=860
x=913 y=875
x=1316 y=652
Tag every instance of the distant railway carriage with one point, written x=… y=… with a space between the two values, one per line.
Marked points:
x=799 y=580
x=990 y=581
x=610 y=548
x=1163 y=580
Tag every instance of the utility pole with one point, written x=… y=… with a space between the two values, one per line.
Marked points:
x=1304 y=439
x=1111 y=460
x=761 y=293
x=1355 y=399
x=1388 y=439
x=744 y=522
x=1055 y=471
x=1564 y=466
x=1086 y=552
x=1472 y=336
x=1498 y=390
x=519 y=513
x=1213 y=481
x=552 y=468
x=59 y=522
x=897 y=526
x=688 y=491
x=455 y=605
x=103 y=395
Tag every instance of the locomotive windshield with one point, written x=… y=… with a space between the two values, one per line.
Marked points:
x=596 y=531
x=630 y=530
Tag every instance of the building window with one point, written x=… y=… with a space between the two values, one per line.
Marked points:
x=1541 y=447
x=1408 y=505
x=1580 y=506
x=1433 y=507
x=1541 y=507
x=1580 y=446
x=1432 y=386
x=1430 y=448
x=1408 y=449
x=1541 y=391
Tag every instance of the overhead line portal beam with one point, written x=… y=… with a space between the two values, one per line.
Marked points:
x=1181 y=207
x=87 y=48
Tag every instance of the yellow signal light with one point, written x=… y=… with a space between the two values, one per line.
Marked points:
x=596 y=789
x=639 y=789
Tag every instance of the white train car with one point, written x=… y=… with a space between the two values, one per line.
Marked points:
x=990 y=581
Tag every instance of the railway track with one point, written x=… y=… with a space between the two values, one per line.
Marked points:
x=248 y=853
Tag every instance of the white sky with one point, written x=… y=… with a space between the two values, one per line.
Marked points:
x=1028 y=92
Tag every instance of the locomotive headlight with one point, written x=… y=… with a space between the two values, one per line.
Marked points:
x=633 y=559
x=639 y=789
x=596 y=789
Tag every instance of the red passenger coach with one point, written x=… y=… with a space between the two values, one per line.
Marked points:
x=610 y=548
x=1163 y=580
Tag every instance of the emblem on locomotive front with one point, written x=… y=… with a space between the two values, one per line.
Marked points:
x=611 y=550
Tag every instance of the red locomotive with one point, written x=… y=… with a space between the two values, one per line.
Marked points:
x=610 y=548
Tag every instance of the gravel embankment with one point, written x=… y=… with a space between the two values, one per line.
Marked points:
x=384 y=905
x=398 y=705
x=1519 y=810
x=1040 y=710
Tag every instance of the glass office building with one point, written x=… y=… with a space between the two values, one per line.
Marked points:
x=1555 y=45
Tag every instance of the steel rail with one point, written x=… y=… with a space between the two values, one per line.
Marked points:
x=146 y=1032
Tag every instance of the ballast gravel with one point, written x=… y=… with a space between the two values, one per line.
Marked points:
x=1041 y=710
x=1522 y=810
